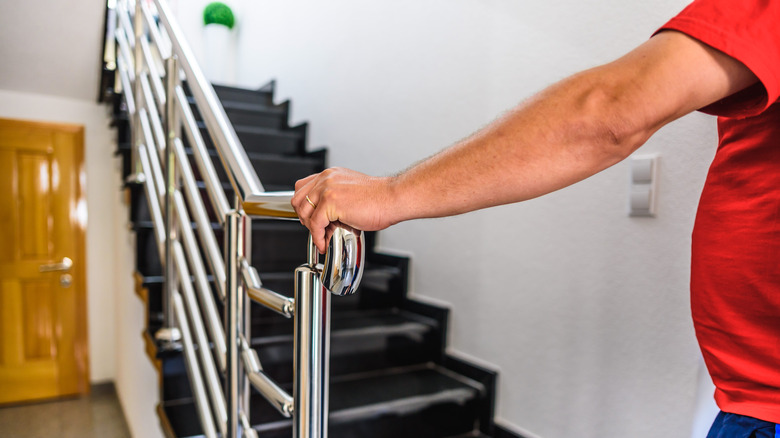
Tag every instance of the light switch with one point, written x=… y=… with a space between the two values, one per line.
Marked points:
x=642 y=170
x=640 y=200
x=643 y=187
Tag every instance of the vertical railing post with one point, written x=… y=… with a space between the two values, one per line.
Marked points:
x=312 y=351
x=168 y=335
x=245 y=306
x=231 y=320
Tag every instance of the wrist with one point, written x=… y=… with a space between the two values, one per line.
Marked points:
x=397 y=209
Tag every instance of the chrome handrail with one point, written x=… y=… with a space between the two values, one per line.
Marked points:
x=215 y=351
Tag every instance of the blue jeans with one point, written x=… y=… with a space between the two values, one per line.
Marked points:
x=740 y=426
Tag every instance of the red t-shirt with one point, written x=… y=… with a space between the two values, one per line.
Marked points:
x=735 y=277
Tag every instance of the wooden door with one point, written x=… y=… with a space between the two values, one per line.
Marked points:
x=43 y=333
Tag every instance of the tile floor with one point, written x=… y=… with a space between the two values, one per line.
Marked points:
x=97 y=415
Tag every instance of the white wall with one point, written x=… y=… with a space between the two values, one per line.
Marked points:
x=101 y=188
x=136 y=379
x=583 y=310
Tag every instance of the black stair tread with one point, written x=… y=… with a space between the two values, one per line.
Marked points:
x=240 y=129
x=233 y=94
x=356 y=398
x=399 y=391
x=384 y=322
x=247 y=106
x=269 y=156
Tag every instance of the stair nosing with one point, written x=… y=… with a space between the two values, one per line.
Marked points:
x=260 y=130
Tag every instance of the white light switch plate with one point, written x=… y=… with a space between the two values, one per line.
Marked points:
x=643 y=189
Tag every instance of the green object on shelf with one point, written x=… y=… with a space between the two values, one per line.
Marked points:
x=218 y=13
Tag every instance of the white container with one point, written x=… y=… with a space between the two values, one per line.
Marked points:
x=219 y=63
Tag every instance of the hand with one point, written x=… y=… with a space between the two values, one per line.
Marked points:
x=342 y=195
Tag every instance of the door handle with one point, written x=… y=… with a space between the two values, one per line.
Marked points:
x=64 y=265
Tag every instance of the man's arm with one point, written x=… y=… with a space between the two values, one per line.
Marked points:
x=566 y=133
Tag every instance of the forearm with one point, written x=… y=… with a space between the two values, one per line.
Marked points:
x=565 y=134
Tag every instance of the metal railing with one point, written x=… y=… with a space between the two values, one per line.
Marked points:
x=152 y=59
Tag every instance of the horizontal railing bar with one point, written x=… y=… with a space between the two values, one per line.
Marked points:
x=127 y=91
x=191 y=306
x=154 y=73
x=234 y=158
x=274 y=205
x=124 y=51
x=205 y=233
x=162 y=46
x=275 y=395
x=279 y=303
x=152 y=201
x=124 y=19
x=154 y=115
x=154 y=157
x=202 y=159
x=198 y=392
x=206 y=298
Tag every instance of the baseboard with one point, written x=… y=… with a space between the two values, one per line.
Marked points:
x=500 y=432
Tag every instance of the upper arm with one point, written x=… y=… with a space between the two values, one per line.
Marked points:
x=669 y=76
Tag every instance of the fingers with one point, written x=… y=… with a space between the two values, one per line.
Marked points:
x=306 y=204
x=318 y=225
x=302 y=182
x=303 y=204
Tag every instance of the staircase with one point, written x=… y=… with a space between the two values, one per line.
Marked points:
x=389 y=373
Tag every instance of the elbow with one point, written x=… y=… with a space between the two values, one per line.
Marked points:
x=620 y=138
x=616 y=126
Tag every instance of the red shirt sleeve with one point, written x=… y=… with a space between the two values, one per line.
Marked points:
x=747 y=30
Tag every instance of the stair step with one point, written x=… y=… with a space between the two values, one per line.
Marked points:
x=347 y=325
x=281 y=171
x=276 y=172
x=376 y=281
x=251 y=114
x=361 y=341
x=427 y=401
x=263 y=96
x=278 y=247
x=264 y=140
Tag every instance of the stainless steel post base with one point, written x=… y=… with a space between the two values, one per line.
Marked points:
x=168 y=338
